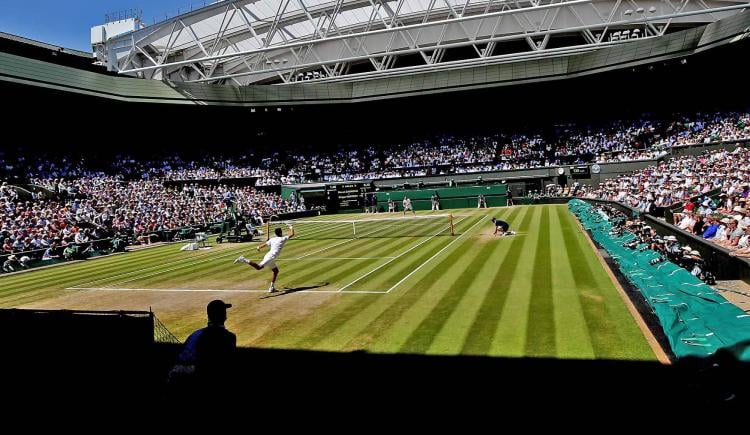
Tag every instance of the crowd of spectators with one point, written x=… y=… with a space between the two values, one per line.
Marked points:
x=70 y=221
x=685 y=184
x=569 y=144
x=92 y=199
x=622 y=140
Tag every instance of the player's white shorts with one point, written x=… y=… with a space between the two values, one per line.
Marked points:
x=268 y=261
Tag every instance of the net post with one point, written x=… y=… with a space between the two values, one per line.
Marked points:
x=354 y=229
x=268 y=229
x=450 y=218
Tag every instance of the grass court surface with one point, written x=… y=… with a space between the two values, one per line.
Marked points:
x=396 y=288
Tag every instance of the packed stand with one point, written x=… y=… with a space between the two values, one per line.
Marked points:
x=83 y=216
x=617 y=141
x=685 y=182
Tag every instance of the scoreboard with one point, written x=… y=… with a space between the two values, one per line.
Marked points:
x=347 y=196
x=580 y=172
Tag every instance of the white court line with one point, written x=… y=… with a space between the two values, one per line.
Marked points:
x=233 y=252
x=334 y=258
x=188 y=290
x=395 y=258
x=224 y=255
x=341 y=243
x=436 y=254
x=193 y=263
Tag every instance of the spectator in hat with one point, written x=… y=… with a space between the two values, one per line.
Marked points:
x=208 y=353
x=24 y=261
x=11 y=264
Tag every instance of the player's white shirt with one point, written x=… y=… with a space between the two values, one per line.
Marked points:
x=276 y=244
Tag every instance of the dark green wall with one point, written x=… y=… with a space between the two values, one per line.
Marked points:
x=455 y=197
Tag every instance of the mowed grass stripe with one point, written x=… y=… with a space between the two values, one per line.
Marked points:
x=64 y=278
x=398 y=317
x=342 y=270
x=103 y=272
x=613 y=331
x=423 y=335
x=452 y=335
x=341 y=329
x=602 y=331
x=290 y=333
x=394 y=271
x=71 y=276
x=540 y=321
x=167 y=253
x=111 y=270
x=172 y=273
x=130 y=265
x=572 y=339
x=482 y=331
x=212 y=269
x=510 y=335
x=362 y=323
x=294 y=274
x=364 y=246
x=351 y=247
x=82 y=269
x=335 y=333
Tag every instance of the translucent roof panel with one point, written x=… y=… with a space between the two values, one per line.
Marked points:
x=206 y=23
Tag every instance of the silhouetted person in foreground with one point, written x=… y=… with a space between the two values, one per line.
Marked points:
x=207 y=358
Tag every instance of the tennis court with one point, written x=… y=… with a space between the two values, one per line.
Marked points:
x=381 y=283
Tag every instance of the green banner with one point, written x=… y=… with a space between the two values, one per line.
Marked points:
x=450 y=197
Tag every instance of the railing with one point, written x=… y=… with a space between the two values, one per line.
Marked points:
x=185 y=8
x=723 y=265
x=122 y=15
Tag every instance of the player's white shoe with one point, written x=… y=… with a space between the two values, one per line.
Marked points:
x=240 y=259
x=272 y=289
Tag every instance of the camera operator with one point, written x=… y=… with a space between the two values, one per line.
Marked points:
x=672 y=248
x=658 y=245
x=690 y=260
